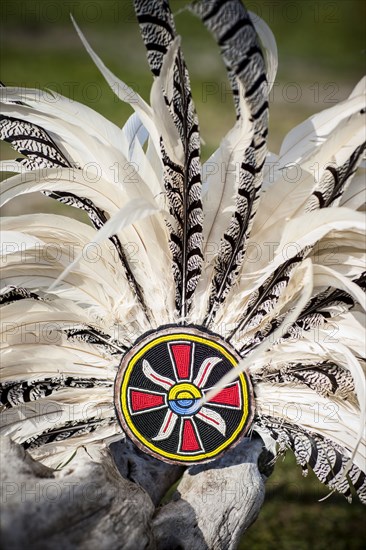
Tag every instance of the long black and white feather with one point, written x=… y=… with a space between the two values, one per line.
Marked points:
x=172 y=99
x=234 y=32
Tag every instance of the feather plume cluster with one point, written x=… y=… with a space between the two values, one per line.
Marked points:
x=74 y=300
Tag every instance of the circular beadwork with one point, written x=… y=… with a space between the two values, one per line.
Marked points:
x=159 y=389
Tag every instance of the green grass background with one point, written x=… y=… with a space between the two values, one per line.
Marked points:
x=321 y=57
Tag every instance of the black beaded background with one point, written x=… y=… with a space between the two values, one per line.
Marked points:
x=149 y=422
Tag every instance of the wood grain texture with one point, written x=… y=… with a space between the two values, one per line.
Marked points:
x=92 y=504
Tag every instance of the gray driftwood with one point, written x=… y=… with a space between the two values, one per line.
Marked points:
x=114 y=504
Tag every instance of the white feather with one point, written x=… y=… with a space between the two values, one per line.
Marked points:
x=162 y=116
x=133 y=211
x=354 y=196
x=221 y=174
x=324 y=276
x=305 y=153
x=122 y=91
x=297 y=405
x=268 y=41
x=313 y=131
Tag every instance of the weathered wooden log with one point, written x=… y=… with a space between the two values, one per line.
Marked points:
x=155 y=476
x=86 y=505
x=214 y=504
x=113 y=503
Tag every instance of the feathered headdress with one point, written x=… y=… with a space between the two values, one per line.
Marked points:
x=145 y=327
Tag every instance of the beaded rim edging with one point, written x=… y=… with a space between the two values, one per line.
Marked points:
x=157 y=390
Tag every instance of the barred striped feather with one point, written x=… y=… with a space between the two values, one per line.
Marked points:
x=65 y=407
x=328 y=460
x=157 y=30
x=15 y=393
x=263 y=301
x=234 y=32
x=320 y=309
x=83 y=137
x=281 y=275
x=334 y=181
x=38 y=148
x=357 y=478
x=354 y=194
x=183 y=180
x=316 y=313
x=91 y=335
x=326 y=378
x=11 y=294
x=233 y=243
x=70 y=429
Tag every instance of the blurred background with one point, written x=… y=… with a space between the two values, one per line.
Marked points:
x=321 y=47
